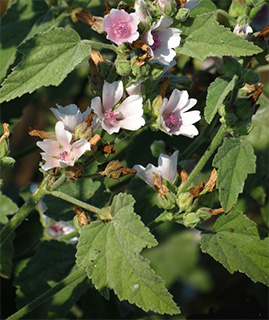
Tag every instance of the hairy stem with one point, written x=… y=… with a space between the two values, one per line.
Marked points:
x=213 y=146
x=99 y=45
x=48 y=294
x=101 y=213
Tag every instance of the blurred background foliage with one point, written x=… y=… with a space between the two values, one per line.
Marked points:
x=201 y=287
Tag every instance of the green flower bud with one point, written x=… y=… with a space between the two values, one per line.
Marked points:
x=242 y=109
x=249 y=76
x=123 y=67
x=167 y=203
x=230 y=66
x=238 y=8
x=83 y=130
x=157 y=147
x=156 y=71
x=190 y=220
x=4 y=148
x=203 y=214
x=182 y=14
x=243 y=128
x=184 y=201
x=7 y=162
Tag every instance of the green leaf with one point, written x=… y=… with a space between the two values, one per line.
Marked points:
x=174 y=262
x=16 y=25
x=239 y=245
x=235 y=160
x=7 y=207
x=87 y=190
x=52 y=263
x=203 y=37
x=203 y=7
x=217 y=92
x=48 y=58
x=110 y=254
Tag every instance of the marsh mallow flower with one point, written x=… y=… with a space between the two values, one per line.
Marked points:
x=114 y=115
x=141 y=10
x=162 y=40
x=174 y=118
x=121 y=26
x=243 y=31
x=70 y=115
x=60 y=152
x=167 y=169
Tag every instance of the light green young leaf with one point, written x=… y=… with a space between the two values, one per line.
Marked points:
x=239 y=245
x=235 y=160
x=203 y=37
x=16 y=25
x=48 y=58
x=7 y=207
x=53 y=261
x=110 y=254
x=217 y=92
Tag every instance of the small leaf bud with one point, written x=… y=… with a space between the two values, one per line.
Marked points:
x=184 y=201
x=190 y=220
x=203 y=214
x=83 y=130
x=182 y=14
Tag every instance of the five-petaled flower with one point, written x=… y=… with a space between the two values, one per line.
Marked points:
x=121 y=26
x=162 y=40
x=126 y=115
x=167 y=169
x=60 y=152
x=174 y=118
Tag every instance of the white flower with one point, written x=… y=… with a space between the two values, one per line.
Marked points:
x=243 y=31
x=167 y=169
x=141 y=10
x=62 y=153
x=162 y=40
x=174 y=118
x=164 y=3
x=70 y=115
x=134 y=88
x=191 y=4
x=127 y=115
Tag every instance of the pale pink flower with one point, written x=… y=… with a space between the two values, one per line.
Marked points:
x=164 y=3
x=121 y=26
x=141 y=10
x=60 y=152
x=167 y=169
x=134 y=88
x=126 y=115
x=174 y=118
x=162 y=40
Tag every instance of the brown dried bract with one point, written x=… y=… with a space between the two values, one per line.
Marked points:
x=124 y=171
x=39 y=133
x=124 y=6
x=159 y=186
x=94 y=140
x=181 y=3
x=211 y=183
x=108 y=7
x=108 y=149
x=264 y=33
x=6 y=132
x=115 y=169
x=97 y=57
x=94 y=22
x=82 y=216
x=75 y=172
x=139 y=44
x=198 y=189
x=96 y=79
x=164 y=86
x=254 y=98
x=142 y=59
x=182 y=173
x=215 y=212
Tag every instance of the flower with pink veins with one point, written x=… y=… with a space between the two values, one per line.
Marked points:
x=167 y=169
x=121 y=26
x=174 y=118
x=162 y=40
x=60 y=152
x=127 y=115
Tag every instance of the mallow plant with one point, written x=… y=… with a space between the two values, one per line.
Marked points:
x=153 y=145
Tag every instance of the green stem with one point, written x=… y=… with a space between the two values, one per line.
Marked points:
x=68 y=236
x=99 y=45
x=103 y=215
x=213 y=146
x=48 y=294
x=23 y=212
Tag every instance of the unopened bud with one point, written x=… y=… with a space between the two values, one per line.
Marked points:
x=184 y=201
x=182 y=14
x=83 y=131
x=204 y=214
x=190 y=220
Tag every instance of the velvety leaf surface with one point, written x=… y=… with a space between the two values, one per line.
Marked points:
x=235 y=160
x=217 y=92
x=239 y=245
x=16 y=25
x=203 y=37
x=48 y=58
x=110 y=253
x=52 y=263
x=7 y=207
x=86 y=190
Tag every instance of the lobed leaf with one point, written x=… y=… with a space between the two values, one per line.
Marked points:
x=47 y=59
x=217 y=92
x=110 y=254
x=203 y=37
x=239 y=245
x=235 y=160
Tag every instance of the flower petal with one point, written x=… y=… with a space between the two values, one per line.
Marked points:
x=190 y=117
x=112 y=93
x=80 y=147
x=62 y=135
x=188 y=131
x=97 y=107
x=50 y=162
x=146 y=174
x=51 y=147
x=131 y=106
x=168 y=166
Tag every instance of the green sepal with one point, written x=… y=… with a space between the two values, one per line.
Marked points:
x=8 y=162
x=182 y=14
x=230 y=67
x=157 y=147
x=249 y=76
x=238 y=8
x=123 y=66
x=190 y=220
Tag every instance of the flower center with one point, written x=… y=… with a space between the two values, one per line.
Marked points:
x=121 y=29
x=63 y=155
x=56 y=228
x=157 y=42
x=112 y=116
x=171 y=120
